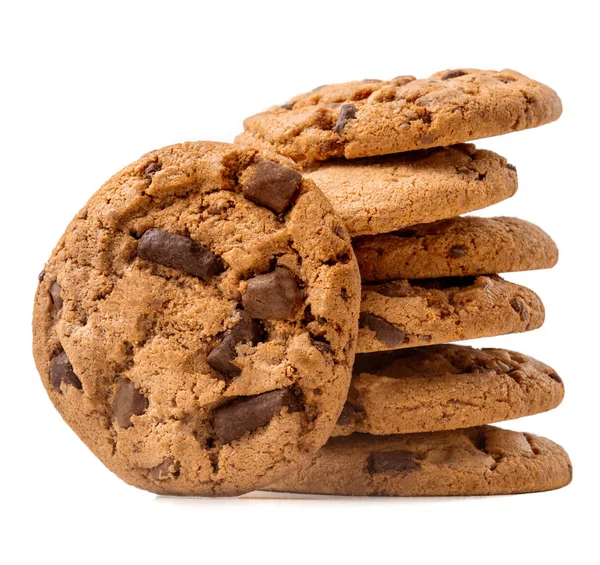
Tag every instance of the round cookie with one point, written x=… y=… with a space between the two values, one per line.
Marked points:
x=196 y=323
x=455 y=247
x=445 y=387
x=475 y=461
x=383 y=194
x=372 y=117
x=408 y=313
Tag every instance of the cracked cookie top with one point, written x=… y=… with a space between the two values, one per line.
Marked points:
x=474 y=461
x=445 y=387
x=382 y=194
x=373 y=117
x=461 y=246
x=196 y=323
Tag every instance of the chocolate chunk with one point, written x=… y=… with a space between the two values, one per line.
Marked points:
x=321 y=345
x=385 y=332
x=458 y=251
x=347 y=112
x=453 y=74
x=127 y=402
x=272 y=296
x=248 y=414
x=511 y=167
x=178 y=252
x=399 y=461
x=402 y=80
x=347 y=415
x=167 y=469
x=520 y=307
x=287 y=106
x=56 y=295
x=151 y=169
x=41 y=275
x=61 y=371
x=556 y=377
x=221 y=357
x=272 y=185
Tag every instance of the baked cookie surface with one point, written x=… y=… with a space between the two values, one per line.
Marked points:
x=196 y=323
x=409 y=313
x=383 y=194
x=445 y=387
x=372 y=117
x=476 y=461
x=455 y=247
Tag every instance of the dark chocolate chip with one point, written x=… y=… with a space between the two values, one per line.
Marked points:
x=520 y=307
x=56 y=295
x=61 y=371
x=272 y=185
x=453 y=74
x=458 y=251
x=151 y=169
x=248 y=414
x=287 y=106
x=127 y=402
x=41 y=275
x=167 y=469
x=556 y=377
x=385 y=332
x=347 y=414
x=402 y=80
x=273 y=296
x=321 y=345
x=221 y=357
x=179 y=252
x=399 y=461
x=347 y=112
x=511 y=167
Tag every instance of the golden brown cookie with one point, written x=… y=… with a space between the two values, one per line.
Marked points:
x=445 y=387
x=383 y=194
x=196 y=323
x=475 y=461
x=372 y=117
x=408 y=313
x=454 y=248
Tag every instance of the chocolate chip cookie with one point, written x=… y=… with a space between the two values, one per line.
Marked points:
x=383 y=194
x=372 y=117
x=408 y=313
x=196 y=323
x=475 y=461
x=445 y=387
x=455 y=247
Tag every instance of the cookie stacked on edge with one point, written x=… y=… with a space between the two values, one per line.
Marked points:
x=391 y=157
x=197 y=323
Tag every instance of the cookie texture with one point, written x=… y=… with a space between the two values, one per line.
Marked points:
x=455 y=247
x=445 y=387
x=383 y=194
x=196 y=323
x=372 y=117
x=408 y=313
x=475 y=461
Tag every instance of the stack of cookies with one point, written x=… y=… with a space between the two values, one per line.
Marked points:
x=197 y=323
x=391 y=158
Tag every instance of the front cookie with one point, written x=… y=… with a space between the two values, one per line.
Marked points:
x=408 y=313
x=475 y=461
x=445 y=387
x=373 y=117
x=196 y=323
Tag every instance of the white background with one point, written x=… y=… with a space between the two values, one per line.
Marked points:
x=87 y=87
